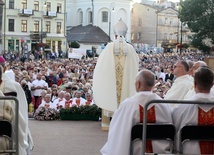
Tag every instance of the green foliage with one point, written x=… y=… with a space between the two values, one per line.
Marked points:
x=199 y=16
x=198 y=43
x=93 y=110
x=74 y=44
x=186 y=45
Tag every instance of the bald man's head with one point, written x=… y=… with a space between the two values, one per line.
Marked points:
x=197 y=65
x=145 y=80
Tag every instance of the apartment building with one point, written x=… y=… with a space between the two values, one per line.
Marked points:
x=154 y=25
x=28 y=23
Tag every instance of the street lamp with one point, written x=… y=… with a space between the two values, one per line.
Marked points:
x=45 y=5
x=1 y=12
x=111 y=10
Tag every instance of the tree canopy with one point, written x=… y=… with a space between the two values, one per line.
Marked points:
x=199 y=16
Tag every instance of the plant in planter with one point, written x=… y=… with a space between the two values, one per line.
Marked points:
x=43 y=113
x=81 y=113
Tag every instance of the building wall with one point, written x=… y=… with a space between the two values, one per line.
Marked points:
x=156 y=24
x=16 y=40
x=144 y=22
x=167 y=26
x=116 y=10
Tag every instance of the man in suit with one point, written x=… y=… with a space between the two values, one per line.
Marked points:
x=169 y=75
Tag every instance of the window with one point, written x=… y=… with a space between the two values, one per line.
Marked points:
x=105 y=16
x=165 y=36
x=171 y=21
x=24 y=4
x=11 y=4
x=36 y=6
x=11 y=25
x=80 y=17
x=36 y=26
x=59 y=8
x=170 y=36
x=139 y=21
x=48 y=6
x=90 y=16
x=11 y=45
x=48 y=26
x=24 y=26
x=132 y=36
x=58 y=27
x=17 y=45
x=166 y=20
x=139 y=36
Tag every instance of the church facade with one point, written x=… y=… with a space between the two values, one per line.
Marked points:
x=104 y=14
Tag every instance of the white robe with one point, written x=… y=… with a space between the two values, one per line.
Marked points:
x=104 y=79
x=125 y=117
x=25 y=140
x=82 y=101
x=188 y=114
x=181 y=86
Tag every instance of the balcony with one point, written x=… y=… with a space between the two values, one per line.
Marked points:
x=25 y=12
x=37 y=35
x=49 y=14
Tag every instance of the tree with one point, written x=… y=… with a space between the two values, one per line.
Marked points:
x=199 y=16
x=74 y=44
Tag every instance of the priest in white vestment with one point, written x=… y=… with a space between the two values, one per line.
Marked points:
x=128 y=114
x=195 y=66
x=182 y=84
x=197 y=114
x=114 y=74
x=9 y=86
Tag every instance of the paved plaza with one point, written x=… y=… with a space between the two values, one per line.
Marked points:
x=67 y=137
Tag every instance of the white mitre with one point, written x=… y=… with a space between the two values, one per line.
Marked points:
x=120 y=28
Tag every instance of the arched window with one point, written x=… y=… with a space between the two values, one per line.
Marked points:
x=104 y=16
x=80 y=17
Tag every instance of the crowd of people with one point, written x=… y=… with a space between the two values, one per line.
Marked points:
x=69 y=82
x=50 y=78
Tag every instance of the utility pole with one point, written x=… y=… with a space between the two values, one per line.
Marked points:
x=181 y=38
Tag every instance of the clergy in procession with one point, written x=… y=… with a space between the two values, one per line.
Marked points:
x=196 y=114
x=10 y=87
x=130 y=112
x=114 y=74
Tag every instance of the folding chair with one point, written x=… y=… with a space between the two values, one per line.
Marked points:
x=144 y=131
x=155 y=131
x=6 y=129
x=195 y=133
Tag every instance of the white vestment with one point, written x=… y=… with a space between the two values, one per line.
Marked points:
x=188 y=114
x=104 y=79
x=179 y=88
x=10 y=74
x=82 y=101
x=59 y=102
x=48 y=105
x=25 y=140
x=125 y=117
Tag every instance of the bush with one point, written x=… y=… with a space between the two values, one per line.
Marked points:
x=93 y=110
